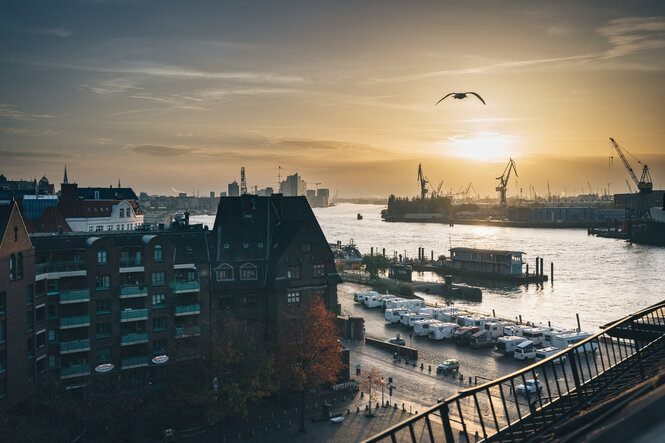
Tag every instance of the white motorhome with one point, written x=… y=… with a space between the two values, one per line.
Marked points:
x=394 y=315
x=477 y=321
x=386 y=298
x=506 y=345
x=525 y=350
x=563 y=341
x=548 y=333
x=495 y=328
x=543 y=353
x=421 y=327
x=410 y=304
x=536 y=335
x=409 y=318
x=442 y=330
x=512 y=330
x=446 y=314
x=360 y=296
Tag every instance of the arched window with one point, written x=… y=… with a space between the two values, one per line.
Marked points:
x=102 y=256
x=159 y=253
x=122 y=212
x=12 y=267
x=19 y=265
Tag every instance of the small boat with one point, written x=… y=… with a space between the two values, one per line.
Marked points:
x=360 y=217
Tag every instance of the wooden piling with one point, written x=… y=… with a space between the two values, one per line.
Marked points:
x=493 y=314
x=579 y=328
x=542 y=270
x=384 y=252
x=552 y=272
x=537 y=261
x=527 y=269
x=520 y=318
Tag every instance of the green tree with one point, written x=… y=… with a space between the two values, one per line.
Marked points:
x=308 y=351
x=375 y=264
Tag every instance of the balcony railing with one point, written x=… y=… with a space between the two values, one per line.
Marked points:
x=133 y=315
x=189 y=331
x=187 y=286
x=134 y=362
x=187 y=310
x=59 y=266
x=133 y=339
x=132 y=291
x=530 y=403
x=131 y=262
x=74 y=296
x=74 y=371
x=74 y=322
x=75 y=346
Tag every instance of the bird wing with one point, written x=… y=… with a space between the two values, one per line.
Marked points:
x=479 y=97
x=452 y=93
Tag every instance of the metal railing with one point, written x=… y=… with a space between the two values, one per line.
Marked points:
x=74 y=296
x=130 y=291
x=131 y=262
x=74 y=322
x=134 y=338
x=507 y=409
x=75 y=346
x=188 y=331
x=187 y=310
x=133 y=315
x=59 y=266
x=187 y=286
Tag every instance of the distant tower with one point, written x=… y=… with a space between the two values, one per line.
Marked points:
x=65 y=181
x=243 y=182
x=118 y=182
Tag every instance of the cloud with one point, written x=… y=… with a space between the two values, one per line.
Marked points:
x=161 y=151
x=10 y=155
x=633 y=34
x=54 y=32
x=10 y=111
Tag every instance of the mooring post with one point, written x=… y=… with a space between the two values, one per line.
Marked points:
x=537 y=261
x=552 y=272
x=579 y=328
x=432 y=255
x=520 y=318
x=493 y=314
x=527 y=269
x=371 y=251
x=542 y=270
x=384 y=252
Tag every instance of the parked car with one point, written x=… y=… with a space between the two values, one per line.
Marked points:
x=447 y=366
x=532 y=386
x=397 y=341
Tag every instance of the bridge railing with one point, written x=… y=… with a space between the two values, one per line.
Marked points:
x=525 y=403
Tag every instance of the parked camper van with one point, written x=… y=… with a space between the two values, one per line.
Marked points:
x=481 y=339
x=421 y=327
x=411 y=319
x=534 y=334
x=442 y=330
x=394 y=315
x=506 y=345
x=562 y=341
x=462 y=335
x=360 y=296
x=542 y=354
x=495 y=328
x=525 y=350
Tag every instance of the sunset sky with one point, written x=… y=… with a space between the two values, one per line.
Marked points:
x=172 y=96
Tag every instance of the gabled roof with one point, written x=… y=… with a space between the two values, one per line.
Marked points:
x=107 y=193
x=5 y=213
x=50 y=220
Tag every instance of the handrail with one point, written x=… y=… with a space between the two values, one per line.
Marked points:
x=584 y=379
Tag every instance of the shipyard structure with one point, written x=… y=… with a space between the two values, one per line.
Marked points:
x=76 y=304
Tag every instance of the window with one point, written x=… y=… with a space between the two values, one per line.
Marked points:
x=293 y=297
x=103 y=282
x=52 y=311
x=159 y=301
x=15 y=233
x=319 y=270
x=103 y=330
x=159 y=346
x=104 y=355
x=12 y=267
x=122 y=212
x=40 y=314
x=109 y=228
x=104 y=306
x=3 y=360
x=90 y=228
x=41 y=366
x=52 y=361
x=30 y=320
x=102 y=256
x=31 y=348
x=3 y=302
x=3 y=388
x=158 y=278
x=52 y=335
x=29 y=294
x=19 y=265
x=248 y=272
x=225 y=273
x=293 y=272
x=159 y=323
x=41 y=340
x=307 y=247
x=249 y=300
x=3 y=331
x=99 y=228
x=226 y=301
x=159 y=253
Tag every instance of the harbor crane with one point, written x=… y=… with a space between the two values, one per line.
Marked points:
x=503 y=182
x=423 y=182
x=644 y=184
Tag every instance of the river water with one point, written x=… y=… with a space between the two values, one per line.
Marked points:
x=600 y=279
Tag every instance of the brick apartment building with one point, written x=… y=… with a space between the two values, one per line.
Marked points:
x=90 y=302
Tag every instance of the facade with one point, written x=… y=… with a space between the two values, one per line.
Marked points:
x=90 y=216
x=22 y=320
x=578 y=214
x=234 y=189
x=293 y=186
x=269 y=255
x=487 y=260
x=120 y=299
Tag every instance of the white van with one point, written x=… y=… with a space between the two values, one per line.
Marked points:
x=563 y=341
x=394 y=315
x=525 y=350
x=543 y=353
x=421 y=327
x=506 y=345
x=534 y=334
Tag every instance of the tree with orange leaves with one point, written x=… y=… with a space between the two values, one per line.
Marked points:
x=370 y=382
x=309 y=353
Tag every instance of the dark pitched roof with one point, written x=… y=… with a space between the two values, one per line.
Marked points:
x=107 y=193
x=51 y=219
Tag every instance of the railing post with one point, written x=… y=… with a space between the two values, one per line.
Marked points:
x=573 y=369
x=447 y=429
x=638 y=349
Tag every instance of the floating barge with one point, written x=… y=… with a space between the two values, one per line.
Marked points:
x=486 y=264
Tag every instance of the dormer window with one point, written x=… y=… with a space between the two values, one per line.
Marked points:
x=158 y=253
x=122 y=213
x=224 y=273
x=248 y=272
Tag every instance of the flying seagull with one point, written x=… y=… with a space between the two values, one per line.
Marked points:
x=460 y=95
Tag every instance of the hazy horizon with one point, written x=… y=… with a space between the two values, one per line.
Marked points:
x=175 y=96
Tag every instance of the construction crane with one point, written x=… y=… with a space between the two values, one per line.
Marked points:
x=644 y=184
x=630 y=189
x=423 y=182
x=589 y=185
x=437 y=191
x=503 y=182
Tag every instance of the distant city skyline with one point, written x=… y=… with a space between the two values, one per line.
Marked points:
x=176 y=97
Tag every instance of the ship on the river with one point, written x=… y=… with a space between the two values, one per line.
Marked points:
x=649 y=231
